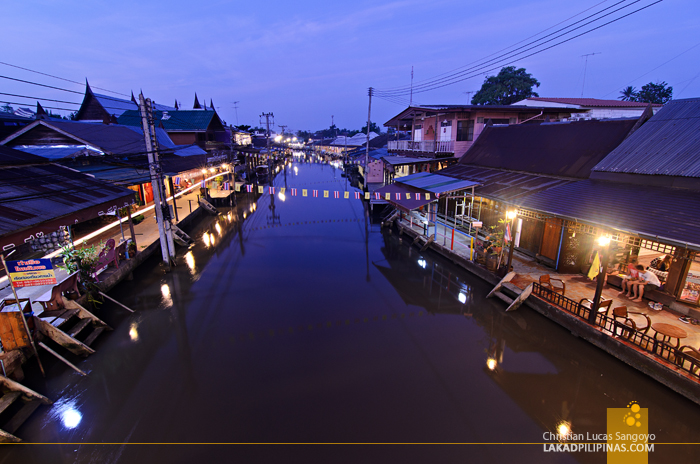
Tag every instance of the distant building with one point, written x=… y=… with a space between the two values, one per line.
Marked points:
x=447 y=131
x=591 y=108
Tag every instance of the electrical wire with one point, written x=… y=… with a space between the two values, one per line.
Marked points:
x=480 y=69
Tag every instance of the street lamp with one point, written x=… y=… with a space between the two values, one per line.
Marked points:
x=510 y=216
x=603 y=242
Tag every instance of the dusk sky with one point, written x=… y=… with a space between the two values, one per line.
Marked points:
x=307 y=60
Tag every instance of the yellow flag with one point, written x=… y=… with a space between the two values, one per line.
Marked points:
x=237 y=187
x=366 y=195
x=595 y=267
x=261 y=189
x=304 y=192
x=387 y=196
x=427 y=196
x=282 y=190
x=325 y=194
x=408 y=196
x=346 y=195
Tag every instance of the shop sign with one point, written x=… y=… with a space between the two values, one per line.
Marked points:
x=31 y=272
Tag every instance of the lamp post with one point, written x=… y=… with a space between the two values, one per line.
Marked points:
x=603 y=241
x=511 y=215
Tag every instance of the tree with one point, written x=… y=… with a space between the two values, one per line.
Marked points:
x=660 y=92
x=509 y=86
x=629 y=94
x=6 y=108
x=373 y=127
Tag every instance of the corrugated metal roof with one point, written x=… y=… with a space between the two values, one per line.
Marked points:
x=401 y=160
x=668 y=144
x=436 y=183
x=631 y=208
x=12 y=157
x=34 y=195
x=558 y=149
x=592 y=102
x=510 y=187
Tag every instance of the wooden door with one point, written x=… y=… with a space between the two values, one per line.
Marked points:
x=550 y=238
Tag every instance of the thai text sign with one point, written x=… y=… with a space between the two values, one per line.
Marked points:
x=31 y=272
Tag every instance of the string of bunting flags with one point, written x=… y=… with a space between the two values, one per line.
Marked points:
x=327 y=193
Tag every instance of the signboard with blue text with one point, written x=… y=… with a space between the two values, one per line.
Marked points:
x=31 y=272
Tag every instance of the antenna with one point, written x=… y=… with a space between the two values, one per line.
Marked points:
x=584 y=69
x=235 y=107
x=468 y=94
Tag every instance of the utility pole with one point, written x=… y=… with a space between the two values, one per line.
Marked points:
x=167 y=245
x=410 y=102
x=469 y=94
x=283 y=127
x=584 y=69
x=267 y=117
x=369 y=115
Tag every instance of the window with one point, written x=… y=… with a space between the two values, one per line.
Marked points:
x=465 y=130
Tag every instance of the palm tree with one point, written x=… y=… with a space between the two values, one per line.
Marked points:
x=629 y=93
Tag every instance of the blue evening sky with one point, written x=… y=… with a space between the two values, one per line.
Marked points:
x=308 y=60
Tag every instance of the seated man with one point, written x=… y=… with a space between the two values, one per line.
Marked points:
x=647 y=281
x=631 y=277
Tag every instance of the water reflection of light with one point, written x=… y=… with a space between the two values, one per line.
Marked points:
x=71 y=418
x=491 y=363
x=281 y=196
x=134 y=333
x=205 y=238
x=229 y=216
x=165 y=290
x=296 y=170
x=422 y=263
x=245 y=215
x=212 y=239
x=189 y=259
x=462 y=298
x=218 y=228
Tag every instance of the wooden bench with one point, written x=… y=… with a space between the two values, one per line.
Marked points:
x=53 y=299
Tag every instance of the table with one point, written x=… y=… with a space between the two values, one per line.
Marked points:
x=669 y=331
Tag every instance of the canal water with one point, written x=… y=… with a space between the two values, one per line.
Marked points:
x=299 y=320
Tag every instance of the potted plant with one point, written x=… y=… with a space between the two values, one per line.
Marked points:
x=494 y=248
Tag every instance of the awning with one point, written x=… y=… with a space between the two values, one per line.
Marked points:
x=40 y=199
x=398 y=196
x=662 y=214
x=436 y=183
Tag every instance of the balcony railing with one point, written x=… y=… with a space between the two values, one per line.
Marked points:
x=425 y=146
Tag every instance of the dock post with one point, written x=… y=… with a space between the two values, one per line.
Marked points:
x=452 y=245
x=471 y=250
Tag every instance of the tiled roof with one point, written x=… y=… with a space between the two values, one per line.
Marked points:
x=175 y=120
x=593 y=102
x=117 y=106
x=667 y=144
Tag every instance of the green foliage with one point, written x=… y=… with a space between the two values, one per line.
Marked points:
x=82 y=260
x=373 y=127
x=629 y=93
x=660 y=92
x=137 y=219
x=509 y=86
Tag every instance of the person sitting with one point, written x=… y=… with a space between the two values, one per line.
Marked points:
x=631 y=277
x=647 y=281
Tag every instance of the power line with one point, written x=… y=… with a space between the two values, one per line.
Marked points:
x=482 y=68
x=57 y=77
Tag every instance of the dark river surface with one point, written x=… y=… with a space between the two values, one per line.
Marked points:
x=304 y=333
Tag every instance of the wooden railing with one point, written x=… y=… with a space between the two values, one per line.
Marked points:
x=425 y=146
x=612 y=327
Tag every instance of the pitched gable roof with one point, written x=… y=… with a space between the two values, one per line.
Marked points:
x=177 y=120
x=592 y=102
x=668 y=144
x=557 y=149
